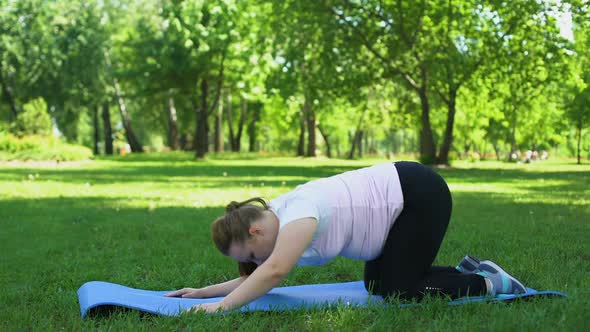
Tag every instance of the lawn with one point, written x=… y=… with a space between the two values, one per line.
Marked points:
x=143 y=221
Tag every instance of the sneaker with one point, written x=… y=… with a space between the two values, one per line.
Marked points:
x=501 y=281
x=469 y=264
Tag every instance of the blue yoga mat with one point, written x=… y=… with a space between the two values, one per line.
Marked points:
x=97 y=293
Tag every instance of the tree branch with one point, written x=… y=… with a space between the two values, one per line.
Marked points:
x=384 y=61
x=219 y=81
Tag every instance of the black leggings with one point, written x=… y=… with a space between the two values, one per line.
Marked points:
x=404 y=267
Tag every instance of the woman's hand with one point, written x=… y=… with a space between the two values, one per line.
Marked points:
x=207 y=307
x=194 y=293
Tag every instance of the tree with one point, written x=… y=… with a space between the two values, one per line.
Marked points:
x=579 y=114
x=186 y=45
x=434 y=48
x=578 y=110
x=532 y=58
x=315 y=66
x=25 y=37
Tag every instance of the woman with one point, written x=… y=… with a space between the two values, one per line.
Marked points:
x=393 y=216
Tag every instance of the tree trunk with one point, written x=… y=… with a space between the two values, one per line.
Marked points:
x=108 y=132
x=373 y=143
x=354 y=141
x=466 y=148
x=172 y=125
x=427 y=146
x=126 y=119
x=443 y=155
x=311 y=125
x=579 y=139
x=359 y=143
x=235 y=138
x=253 y=126
x=357 y=136
x=201 y=134
x=215 y=108
x=326 y=138
x=218 y=143
x=230 y=121
x=8 y=94
x=96 y=129
x=512 y=134
x=243 y=111
x=301 y=144
x=367 y=141
x=483 y=150
x=185 y=142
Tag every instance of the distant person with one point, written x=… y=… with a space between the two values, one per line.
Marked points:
x=544 y=155
x=528 y=155
x=393 y=216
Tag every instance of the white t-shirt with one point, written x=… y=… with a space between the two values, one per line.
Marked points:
x=355 y=211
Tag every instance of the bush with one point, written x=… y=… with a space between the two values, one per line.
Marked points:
x=34 y=120
x=40 y=148
x=4 y=128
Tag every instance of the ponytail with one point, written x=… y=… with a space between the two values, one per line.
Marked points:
x=233 y=227
x=233 y=205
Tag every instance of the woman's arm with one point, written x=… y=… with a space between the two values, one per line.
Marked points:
x=210 y=291
x=291 y=242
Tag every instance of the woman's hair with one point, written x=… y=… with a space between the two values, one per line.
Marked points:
x=233 y=227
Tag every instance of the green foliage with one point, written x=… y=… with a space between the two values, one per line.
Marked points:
x=40 y=148
x=579 y=109
x=503 y=66
x=34 y=120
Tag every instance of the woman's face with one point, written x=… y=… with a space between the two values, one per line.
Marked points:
x=258 y=247
x=254 y=250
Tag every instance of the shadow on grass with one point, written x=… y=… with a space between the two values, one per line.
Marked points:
x=172 y=173
x=502 y=175
x=188 y=156
x=571 y=181
x=220 y=176
x=112 y=311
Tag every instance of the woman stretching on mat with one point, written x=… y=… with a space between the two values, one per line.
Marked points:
x=393 y=216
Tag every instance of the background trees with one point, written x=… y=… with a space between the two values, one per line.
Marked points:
x=578 y=92
x=342 y=78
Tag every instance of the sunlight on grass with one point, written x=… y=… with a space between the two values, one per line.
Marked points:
x=144 y=221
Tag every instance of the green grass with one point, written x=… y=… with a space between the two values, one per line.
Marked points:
x=143 y=221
